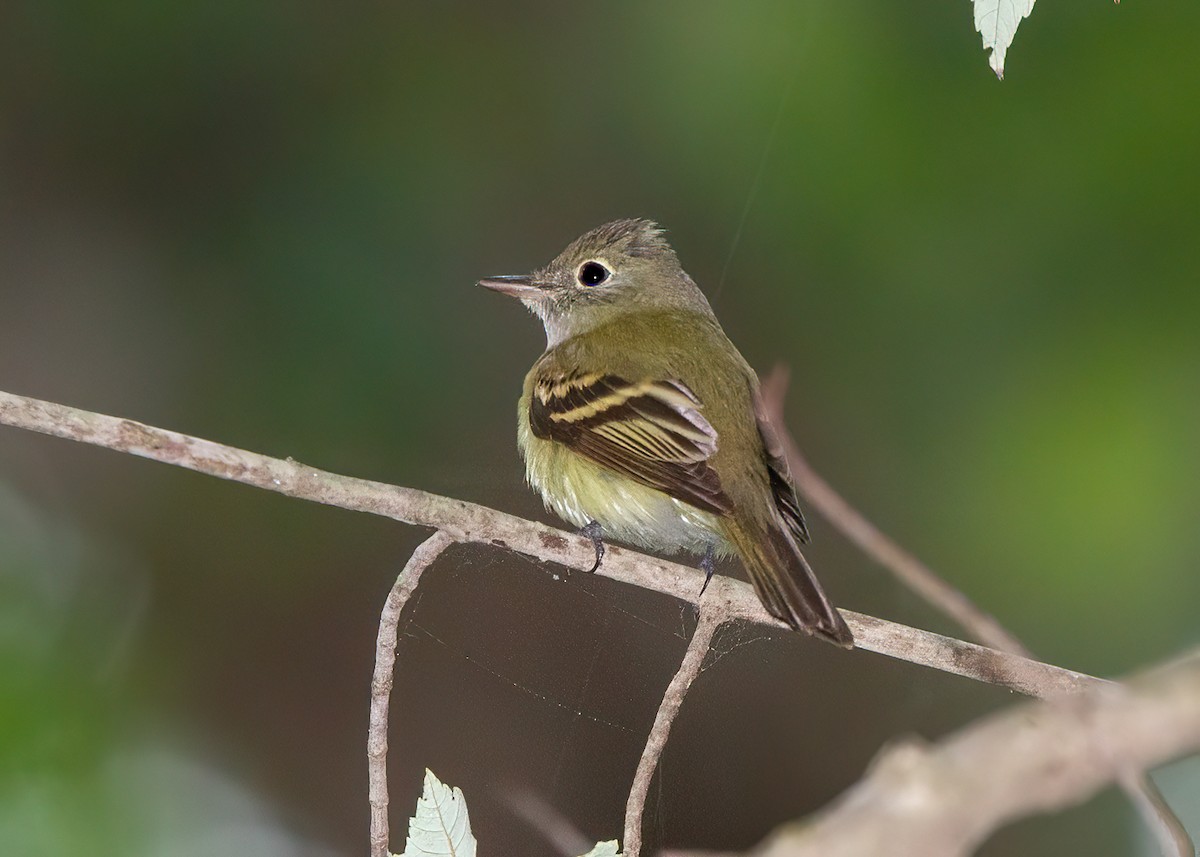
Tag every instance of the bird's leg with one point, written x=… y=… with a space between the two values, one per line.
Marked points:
x=595 y=532
x=708 y=564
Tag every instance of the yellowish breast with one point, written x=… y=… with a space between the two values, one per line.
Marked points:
x=581 y=491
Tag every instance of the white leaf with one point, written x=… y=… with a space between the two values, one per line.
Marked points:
x=997 y=22
x=440 y=827
x=605 y=849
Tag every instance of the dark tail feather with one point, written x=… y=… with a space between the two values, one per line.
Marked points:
x=786 y=585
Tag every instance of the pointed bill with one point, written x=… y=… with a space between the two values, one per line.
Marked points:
x=513 y=285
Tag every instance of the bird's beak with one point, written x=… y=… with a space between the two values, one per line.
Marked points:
x=514 y=285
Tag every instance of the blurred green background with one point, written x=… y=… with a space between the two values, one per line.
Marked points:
x=261 y=223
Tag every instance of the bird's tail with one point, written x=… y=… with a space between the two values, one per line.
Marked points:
x=785 y=582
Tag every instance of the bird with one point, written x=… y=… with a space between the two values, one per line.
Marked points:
x=642 y=422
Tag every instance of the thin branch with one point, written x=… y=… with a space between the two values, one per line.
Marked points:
x=467 y=522
x=944 y=800
x=381 y=684
x=1156 y=813
x=711 y=617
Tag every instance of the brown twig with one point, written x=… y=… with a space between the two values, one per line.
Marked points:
x=381 y=684
x=712 y=613
x=463 y=521
x=467 y=522
x=1151 y=805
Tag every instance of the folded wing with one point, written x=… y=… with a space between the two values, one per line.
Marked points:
x=650 y=430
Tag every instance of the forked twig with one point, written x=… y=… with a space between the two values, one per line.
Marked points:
x=468 y=522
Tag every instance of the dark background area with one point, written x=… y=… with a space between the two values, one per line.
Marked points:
x=261 y=223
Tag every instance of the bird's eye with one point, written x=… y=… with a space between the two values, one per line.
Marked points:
x=593 y=273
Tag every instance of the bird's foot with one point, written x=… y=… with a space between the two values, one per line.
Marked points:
x=595 y=532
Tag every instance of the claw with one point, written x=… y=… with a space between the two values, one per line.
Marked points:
x=708 y=564
x=595 y=532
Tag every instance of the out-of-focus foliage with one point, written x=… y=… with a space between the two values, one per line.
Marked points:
x=262 y=222
x=83 y=770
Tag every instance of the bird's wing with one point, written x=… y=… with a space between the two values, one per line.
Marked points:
x=649 y=430
x=781 y=477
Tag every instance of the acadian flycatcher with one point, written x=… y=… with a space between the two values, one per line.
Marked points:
x=643 y=422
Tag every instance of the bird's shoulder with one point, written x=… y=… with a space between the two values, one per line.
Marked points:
x=687 y=347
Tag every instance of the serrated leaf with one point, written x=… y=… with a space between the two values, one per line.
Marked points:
x=605 y=849
x=997 y=22
x=440 y=827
